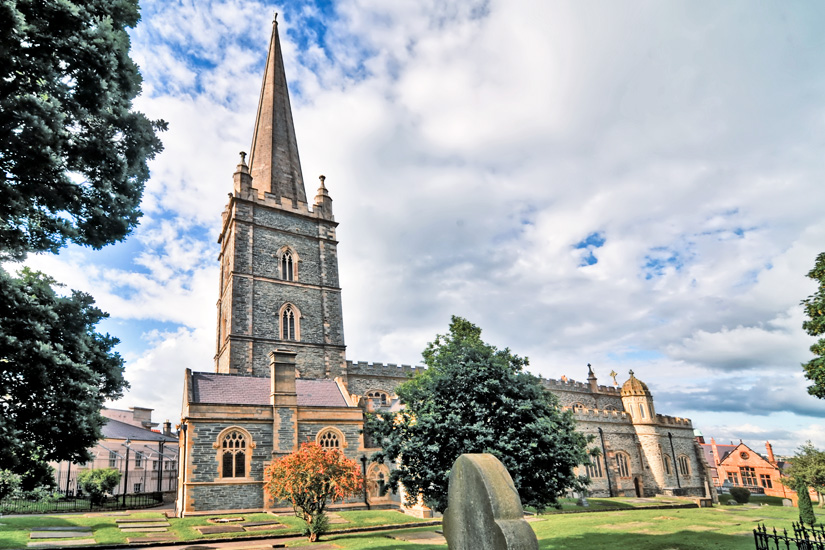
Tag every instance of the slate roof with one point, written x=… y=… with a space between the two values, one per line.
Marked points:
x=233 y=389
x=115 y=429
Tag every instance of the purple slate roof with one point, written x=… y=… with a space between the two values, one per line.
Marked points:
x=233 y=389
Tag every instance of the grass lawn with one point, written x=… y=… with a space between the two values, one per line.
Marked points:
x=721 y=527
x=14 y=530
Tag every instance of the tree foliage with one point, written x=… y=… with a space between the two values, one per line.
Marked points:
x=806 y=509
x=474 y=398
x=55 y=373
x=73 y=153
x=310 y=478
x=97 y=482
x=807 y=467
x=814 y=306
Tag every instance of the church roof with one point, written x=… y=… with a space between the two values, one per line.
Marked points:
x=233 y=389
x=115 y=429
x=273 y=160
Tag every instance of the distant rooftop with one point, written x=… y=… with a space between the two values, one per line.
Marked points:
x=233 y=389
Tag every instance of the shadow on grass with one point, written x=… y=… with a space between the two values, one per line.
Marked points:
x=681 y=540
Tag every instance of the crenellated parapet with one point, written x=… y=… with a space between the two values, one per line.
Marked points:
x=572 y=385
x=600 y=415
x=391 y=370
x=674 y=421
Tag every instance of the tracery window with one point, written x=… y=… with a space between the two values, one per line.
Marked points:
x=748 y=475
x=287 y=270
x=684 y=466
x=233 y=453
x=378 y=398
x=290 y=323
x=594 y=468
x=330 y=438
x=623 y=462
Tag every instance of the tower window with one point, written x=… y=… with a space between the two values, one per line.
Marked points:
x=287 y=267
x=378 y=398
x=288 y=322
x=684 y=466
x=594 y=468
x=642 y=410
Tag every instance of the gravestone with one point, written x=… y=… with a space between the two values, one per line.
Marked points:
x=484 y=509
x=787 y=502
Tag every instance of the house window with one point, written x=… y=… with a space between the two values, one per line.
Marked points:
x=154 y=464
x=623 y=462
x=138 y=460
x=733 y=477
x=748 y=475
x=330 y=438
x=286 y=266
x=290 y=317
x=112 y=459
x=233 y=451
x=765 y=481
x=684 y=465
x=594 y=468
x=137 y=488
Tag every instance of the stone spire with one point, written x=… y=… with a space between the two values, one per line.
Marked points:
x=273 y=160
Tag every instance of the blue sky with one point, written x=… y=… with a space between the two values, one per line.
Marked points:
x=634 y=185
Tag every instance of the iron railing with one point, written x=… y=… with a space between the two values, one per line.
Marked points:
x=803 y=538
x=74 y=504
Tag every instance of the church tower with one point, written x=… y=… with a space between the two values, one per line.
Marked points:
x=279 y=283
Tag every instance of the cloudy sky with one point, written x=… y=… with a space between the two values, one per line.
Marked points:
x=635 y=185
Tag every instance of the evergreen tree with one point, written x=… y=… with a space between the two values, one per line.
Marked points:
x=807 y=466
x=55 y=373
x=806 y=509
x=73 y=153
x=474 y=398
x=815 y=326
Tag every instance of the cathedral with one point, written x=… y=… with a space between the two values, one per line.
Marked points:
x=281 y=376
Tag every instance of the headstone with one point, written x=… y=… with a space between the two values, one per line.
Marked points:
x=787 y=502
x=484 y=509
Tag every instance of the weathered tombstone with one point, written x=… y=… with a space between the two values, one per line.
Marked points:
x=787 y=502
x=484 y=509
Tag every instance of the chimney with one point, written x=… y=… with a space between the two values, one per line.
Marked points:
x=769 y=448
x=715 y=452
x=167 y=428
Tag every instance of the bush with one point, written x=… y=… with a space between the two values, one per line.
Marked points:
x=806 y=509
x=97 y=482
x=9 y=483
x=741 y=494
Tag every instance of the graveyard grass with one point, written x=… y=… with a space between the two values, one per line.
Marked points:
x=720 y=527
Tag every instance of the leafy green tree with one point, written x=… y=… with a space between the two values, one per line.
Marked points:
x=474 y=398
x=97 y=482
x=73 y=153
x=814 y=306
x=55 y=373
x=807 y=466
x=9 y=483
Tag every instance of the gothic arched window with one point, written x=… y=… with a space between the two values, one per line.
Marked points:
x=234 y=452
x=287 y=271
x=623 y=462
x=290 y=319
x=378 y=398
x=684 y=466
x=330 y=438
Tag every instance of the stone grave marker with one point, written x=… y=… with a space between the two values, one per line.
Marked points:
x=484 y=509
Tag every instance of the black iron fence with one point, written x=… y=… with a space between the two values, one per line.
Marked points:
x=79 y=504
x=803 y=538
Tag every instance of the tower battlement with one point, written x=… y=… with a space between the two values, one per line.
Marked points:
x=600 y=415
x=391 y=370
x=674 y=420
x=572 y=385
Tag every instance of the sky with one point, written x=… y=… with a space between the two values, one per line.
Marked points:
x=634 y=185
